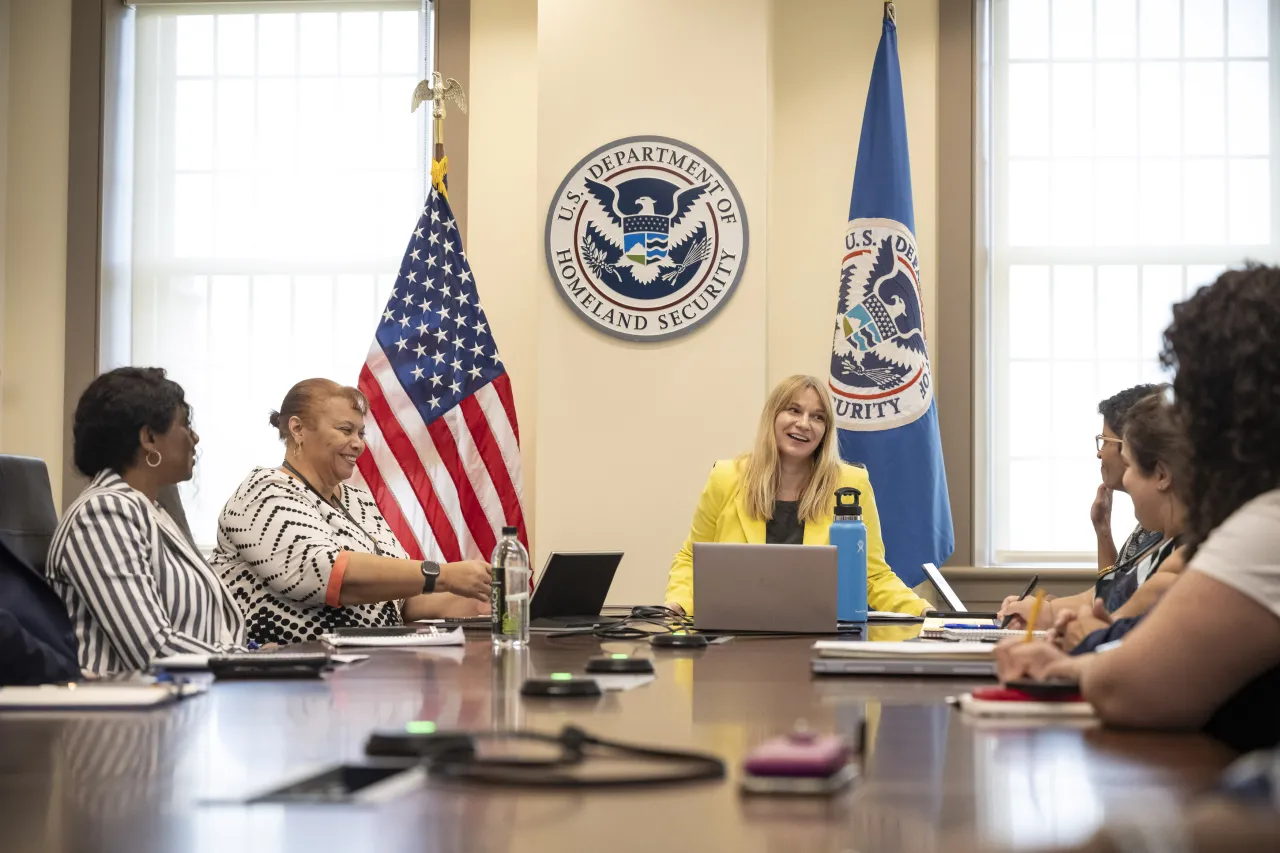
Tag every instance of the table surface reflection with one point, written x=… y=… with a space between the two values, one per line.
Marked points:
x=168 y=779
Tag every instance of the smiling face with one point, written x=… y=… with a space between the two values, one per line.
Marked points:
x=1149 y=492
x=800 y=426
x=334 y=439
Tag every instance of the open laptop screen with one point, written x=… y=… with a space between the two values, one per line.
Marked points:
x=944 y=589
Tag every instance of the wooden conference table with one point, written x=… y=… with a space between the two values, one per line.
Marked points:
x=166 y=780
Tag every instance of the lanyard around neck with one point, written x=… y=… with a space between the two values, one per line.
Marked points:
x=337 y=504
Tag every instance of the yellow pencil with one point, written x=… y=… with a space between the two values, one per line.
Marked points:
x=1035 y=614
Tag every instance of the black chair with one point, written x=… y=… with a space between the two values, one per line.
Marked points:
x=27 y=516
x=169 y=498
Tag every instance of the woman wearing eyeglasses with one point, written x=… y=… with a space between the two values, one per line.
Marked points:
x=1145 y=465
x=304 y=552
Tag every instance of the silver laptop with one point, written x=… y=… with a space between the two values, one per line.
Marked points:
x=788 y=589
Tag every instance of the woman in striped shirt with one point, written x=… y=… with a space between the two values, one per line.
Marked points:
x=304 y=552
x=135 y=587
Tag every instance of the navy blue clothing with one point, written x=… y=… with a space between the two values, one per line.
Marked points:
x=37 y=644
x=1118 y=586
x=1114 y=631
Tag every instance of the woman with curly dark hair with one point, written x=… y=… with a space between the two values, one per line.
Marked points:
x=135 y=586
x=1208 y=655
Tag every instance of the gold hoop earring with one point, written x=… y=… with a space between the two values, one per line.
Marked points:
x=159 y=459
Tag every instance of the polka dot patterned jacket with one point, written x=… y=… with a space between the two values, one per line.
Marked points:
x=279 y=545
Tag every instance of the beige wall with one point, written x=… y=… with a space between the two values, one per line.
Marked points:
x=35 y=200
x=618 y=437
x=821 y=58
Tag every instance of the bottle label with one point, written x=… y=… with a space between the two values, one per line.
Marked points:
x=498 y=600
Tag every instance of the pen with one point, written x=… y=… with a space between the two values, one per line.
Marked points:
x=1035 y=615
x=1035 y=579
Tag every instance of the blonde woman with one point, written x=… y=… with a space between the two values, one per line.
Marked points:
x=783 y=493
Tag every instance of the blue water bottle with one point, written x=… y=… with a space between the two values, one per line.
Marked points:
x=849 y=535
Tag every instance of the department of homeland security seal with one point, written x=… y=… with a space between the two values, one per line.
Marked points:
x=880 y=374
x=646 y=238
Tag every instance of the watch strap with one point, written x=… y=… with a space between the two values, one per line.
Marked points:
x=430 y=575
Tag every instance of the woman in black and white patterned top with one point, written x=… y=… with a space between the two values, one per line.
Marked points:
x=303 y=553
x=135 y=587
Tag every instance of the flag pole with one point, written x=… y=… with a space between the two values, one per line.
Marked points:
x=437 y=89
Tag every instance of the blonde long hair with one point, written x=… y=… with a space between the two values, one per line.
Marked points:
x=760 y=477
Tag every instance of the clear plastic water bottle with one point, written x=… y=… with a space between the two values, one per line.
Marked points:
x=510 y=596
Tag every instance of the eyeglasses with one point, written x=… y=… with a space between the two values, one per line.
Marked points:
x=1101 y=440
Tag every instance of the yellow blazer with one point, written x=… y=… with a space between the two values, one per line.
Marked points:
x=722 y=516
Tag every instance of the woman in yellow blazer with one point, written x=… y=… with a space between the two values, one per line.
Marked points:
x=783 y=492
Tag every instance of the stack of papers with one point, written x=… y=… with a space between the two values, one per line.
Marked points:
x=990 y=635
x=433 y=637
x=905 y=650
x=935 y=625
x=92 y=695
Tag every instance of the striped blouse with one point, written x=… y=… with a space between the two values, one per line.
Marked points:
x=134 y=586
x=280 y=551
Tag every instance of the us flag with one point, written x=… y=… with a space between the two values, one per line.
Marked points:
x=443 y=458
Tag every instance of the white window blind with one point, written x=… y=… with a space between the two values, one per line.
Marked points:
x=278 y=174
x=1131 y=161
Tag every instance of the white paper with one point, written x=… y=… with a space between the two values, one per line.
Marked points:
x=993 y=708
x=885 y=614
x=402 y=641
x=89 y=696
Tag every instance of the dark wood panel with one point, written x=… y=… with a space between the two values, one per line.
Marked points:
x=148 y=781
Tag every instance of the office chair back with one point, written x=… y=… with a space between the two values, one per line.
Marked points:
x=27 y=516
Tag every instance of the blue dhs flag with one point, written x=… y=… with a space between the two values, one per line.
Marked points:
x=881 y=385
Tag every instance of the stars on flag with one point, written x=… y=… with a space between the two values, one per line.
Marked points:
x=453 y=348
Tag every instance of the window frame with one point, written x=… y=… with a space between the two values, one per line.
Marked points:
x=100 y=184
x=992 y=260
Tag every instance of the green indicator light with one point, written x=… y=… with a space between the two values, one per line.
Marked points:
x=420 y=727
x=618 y=657
x=562 y=676
x=679 y=633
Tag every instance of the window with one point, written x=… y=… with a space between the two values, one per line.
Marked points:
x=278 y=173
x=1130 y=162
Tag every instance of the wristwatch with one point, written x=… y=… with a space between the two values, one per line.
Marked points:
x=430 y=574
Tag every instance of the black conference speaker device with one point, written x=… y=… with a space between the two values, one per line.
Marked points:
x=678 y=640
x=619 y=664
x=560 y=685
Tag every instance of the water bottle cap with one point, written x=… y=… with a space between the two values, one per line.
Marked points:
x=510 y=531
x=844 y=510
